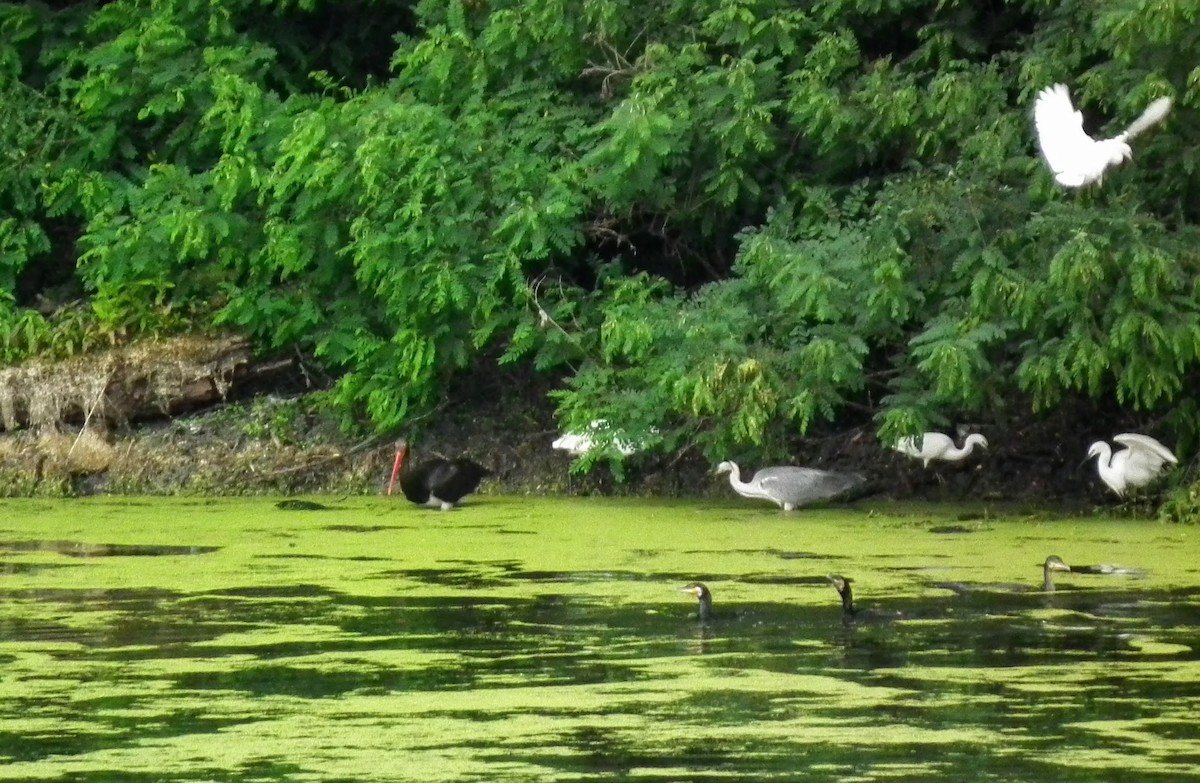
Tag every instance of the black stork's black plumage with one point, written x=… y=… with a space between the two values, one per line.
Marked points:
x=440 y=483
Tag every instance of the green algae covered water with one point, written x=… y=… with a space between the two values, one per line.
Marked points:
x=547 y=640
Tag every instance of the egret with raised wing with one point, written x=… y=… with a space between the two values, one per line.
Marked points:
x=1141 y=461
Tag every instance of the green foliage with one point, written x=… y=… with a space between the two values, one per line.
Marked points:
x=726 y=223
x=1182 y=505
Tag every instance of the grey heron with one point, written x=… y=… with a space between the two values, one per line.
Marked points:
x=790 y=487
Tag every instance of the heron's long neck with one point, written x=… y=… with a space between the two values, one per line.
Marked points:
x=1048 y=579
x=705 y=612
x=735 y=478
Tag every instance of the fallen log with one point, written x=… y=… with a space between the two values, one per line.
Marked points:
x=145 y=380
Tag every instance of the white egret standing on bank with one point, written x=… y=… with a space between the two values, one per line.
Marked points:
x=936 y=446
x=579 y=443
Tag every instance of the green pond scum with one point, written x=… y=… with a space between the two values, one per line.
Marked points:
x=523 y=639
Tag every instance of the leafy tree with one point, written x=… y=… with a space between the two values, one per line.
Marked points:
x=724 y=222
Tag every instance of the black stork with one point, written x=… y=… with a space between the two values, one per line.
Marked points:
x=435 y=482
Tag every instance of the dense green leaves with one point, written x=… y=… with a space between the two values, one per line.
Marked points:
x=725 y=222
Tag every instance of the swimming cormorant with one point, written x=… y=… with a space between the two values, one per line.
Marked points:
x=852 y=612
x=703 y=596
x=1053 y=563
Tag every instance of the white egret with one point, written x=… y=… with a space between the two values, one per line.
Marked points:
x=1141 y=461
x=935 y=445
x=579 y=443
x=1075 y=157
x=790 y=487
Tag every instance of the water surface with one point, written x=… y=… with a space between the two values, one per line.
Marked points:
x=517 y=639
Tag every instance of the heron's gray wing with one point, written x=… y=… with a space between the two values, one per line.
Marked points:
x=804 y=485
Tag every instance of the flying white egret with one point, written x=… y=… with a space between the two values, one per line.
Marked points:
x=935 y=445
x=1075 y=157
x=579 y=443
x=1141 y=461
x=790 y=487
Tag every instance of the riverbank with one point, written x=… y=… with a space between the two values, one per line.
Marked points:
x=284 y=440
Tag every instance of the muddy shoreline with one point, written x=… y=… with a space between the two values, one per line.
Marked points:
x=282 y=439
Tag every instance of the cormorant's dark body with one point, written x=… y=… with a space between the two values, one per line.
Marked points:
x=850 y=612
x=437 y=481
x=703 y=598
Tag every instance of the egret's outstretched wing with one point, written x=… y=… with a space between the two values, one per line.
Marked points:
x=1060 y=131
x=1145 y=450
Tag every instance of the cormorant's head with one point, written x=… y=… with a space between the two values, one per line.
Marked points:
x=1055 y=563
